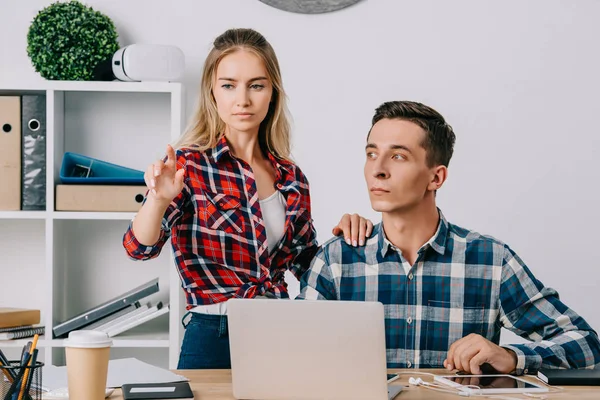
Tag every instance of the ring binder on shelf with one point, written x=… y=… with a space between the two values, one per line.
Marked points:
x=77 y=168
x=107 y=308
x=33 y=128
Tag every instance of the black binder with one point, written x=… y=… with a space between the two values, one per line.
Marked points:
x=565 y=377
x=33 y=152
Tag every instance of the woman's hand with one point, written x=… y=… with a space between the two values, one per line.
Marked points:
x=354 y=228
x=163 y=179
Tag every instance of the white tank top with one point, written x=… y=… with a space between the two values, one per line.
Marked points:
x=273 y=212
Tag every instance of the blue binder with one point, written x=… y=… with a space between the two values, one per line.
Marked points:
x=77 y=168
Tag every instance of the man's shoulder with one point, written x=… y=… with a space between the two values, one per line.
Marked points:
x=333 y=246
x=337 y=251
x=473 y=238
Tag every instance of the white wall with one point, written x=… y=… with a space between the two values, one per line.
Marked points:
x=516 y=79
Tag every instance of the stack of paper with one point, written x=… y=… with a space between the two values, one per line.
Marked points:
x=126 y=370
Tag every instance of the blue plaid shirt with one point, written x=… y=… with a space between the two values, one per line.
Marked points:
x=462 y=282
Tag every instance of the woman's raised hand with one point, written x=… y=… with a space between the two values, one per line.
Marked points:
x=163 y=179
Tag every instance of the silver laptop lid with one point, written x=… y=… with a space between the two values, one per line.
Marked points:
x=302 y=349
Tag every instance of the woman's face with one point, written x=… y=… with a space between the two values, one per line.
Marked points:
x=242 y=91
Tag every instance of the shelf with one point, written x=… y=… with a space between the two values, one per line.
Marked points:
x=92 y=86
x=131 y=339
x=19 y=343
x=141 y=339
x=125 y=339
x=93 y=215
x=123 y=216
x=89 y=117
x=23 y=214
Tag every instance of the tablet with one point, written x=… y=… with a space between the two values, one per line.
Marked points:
x=490 y=384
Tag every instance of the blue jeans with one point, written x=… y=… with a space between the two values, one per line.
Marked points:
x=205 y=343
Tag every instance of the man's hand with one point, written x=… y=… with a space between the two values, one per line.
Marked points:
x=469 y=353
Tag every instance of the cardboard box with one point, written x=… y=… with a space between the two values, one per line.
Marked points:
x=99 y=197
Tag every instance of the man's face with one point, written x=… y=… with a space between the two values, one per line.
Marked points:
x=396 y=170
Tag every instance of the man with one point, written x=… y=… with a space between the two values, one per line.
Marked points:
x=446 y=290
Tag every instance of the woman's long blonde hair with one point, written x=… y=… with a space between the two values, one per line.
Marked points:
x=206 y=127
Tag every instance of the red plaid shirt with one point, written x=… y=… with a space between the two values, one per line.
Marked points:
x=218 y=233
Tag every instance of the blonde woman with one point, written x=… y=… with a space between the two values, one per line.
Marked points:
x=234 y=206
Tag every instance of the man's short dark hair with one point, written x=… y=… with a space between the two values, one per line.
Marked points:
x=439 y=136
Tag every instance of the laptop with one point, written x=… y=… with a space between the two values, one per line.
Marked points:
x=302 y=349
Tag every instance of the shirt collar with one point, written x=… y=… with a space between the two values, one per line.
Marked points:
x=282 y=167
x=222 y=147
x=437 y=242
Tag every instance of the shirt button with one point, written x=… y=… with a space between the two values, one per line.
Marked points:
x=410 y=276
x=526 y=371
x=409 y=320
x=408 y=364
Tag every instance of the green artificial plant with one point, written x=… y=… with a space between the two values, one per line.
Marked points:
x=67 y=40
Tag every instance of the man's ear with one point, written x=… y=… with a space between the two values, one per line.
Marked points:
x=439 y=174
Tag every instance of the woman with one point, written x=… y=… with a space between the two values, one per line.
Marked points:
x=235 y=207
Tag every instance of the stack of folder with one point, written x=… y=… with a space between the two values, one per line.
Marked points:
x=18 y=323
x=23 y=152
x=118 y=314
x=89 y=184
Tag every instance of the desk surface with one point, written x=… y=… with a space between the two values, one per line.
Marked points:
x=216 y=385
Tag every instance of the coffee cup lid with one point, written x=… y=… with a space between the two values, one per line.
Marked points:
x=88 y=339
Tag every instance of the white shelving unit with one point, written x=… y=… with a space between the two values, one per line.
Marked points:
x=66 y=262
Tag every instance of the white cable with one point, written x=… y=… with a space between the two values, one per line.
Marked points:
x=433 y=386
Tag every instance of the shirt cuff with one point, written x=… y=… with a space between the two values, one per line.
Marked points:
x=138 y=250
x=528 y=361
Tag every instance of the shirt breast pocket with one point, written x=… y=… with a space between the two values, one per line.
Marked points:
x=446 y=323
x=224 y=213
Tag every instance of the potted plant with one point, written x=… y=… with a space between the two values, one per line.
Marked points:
x=67 y=40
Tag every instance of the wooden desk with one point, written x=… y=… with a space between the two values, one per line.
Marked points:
x=216 y=385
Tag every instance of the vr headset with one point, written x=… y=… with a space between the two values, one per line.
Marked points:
x=143 y=62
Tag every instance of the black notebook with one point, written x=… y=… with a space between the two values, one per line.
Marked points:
x=157 y=391
x=576 y=377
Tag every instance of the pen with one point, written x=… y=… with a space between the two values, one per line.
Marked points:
x=27 y=396
x=27 y=370
x=25 y=357
x=8 y=372
x=13 y=387
x=25 y=350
